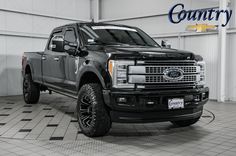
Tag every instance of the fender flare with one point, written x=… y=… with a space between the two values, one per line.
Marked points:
x=86 y=69
x=31 y=69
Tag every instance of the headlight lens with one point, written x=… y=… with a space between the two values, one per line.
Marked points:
x=202 y=80
x=118 y=71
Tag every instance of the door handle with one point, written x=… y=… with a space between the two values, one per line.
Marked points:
x=56 y=58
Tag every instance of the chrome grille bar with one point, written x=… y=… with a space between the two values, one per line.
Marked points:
x=161 y=69
x=168 y=62
x=159 y=79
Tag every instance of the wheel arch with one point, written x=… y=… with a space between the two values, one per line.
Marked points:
x=90 y=76
x=28 y=69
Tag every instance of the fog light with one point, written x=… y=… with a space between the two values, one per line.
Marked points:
x=121 y=100
x=188 y=98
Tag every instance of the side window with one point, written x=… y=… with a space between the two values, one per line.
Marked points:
x=52 y=36
x=86 y=35
x=70 y=35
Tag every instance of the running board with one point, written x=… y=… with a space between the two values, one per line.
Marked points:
x=62 y=93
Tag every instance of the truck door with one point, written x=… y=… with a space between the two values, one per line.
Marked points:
x=53 y=65
x=71 y=62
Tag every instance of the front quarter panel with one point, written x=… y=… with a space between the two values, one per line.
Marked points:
x=95 y=62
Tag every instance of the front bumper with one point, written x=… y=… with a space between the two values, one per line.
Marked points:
x=152 y=106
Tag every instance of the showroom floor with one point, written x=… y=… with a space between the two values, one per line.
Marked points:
x=50 y=128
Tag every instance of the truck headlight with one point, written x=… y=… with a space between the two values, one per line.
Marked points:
x=202 y=80
x=118 y=70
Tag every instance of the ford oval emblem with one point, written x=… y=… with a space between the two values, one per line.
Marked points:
x=173 y=74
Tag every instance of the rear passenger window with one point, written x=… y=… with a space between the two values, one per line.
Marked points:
x=70 y=35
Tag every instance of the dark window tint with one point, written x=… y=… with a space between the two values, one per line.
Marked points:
x=120 y=36
x=86 y=36
x=117 y=35
x=70 y=36
x=52 y=36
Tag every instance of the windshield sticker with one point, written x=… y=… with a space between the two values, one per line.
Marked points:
x=113 y=27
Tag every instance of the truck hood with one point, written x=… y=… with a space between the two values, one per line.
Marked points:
x=118 y=52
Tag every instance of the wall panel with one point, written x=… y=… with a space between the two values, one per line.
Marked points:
x=39 y=26
x=2 y=19
x=39 y=7
x=20 y=5
x=174 y=41
x=206 y=46
x=112 y=9
x=158 y=25
x=24 y=26
x=18 y=22
x=77 y=9
x=3 y=67
x=15 y=47
x=231 y=67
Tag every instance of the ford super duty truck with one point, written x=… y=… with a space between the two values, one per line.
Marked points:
x=117 y=73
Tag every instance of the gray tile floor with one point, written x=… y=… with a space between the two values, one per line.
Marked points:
x=50 y=128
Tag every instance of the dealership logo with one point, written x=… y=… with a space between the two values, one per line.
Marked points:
x=201 y=27
x=199 y=15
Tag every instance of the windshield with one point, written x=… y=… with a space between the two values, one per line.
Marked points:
x=116 y=35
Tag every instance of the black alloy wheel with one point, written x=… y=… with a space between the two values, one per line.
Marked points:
x=31 y=90
x=93 y=116
x=86 y=111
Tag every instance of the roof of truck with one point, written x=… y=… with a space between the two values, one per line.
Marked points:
x=89 y=24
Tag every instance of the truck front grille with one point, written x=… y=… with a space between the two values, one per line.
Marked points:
x=152 y=73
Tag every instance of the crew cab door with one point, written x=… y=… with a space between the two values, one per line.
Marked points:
x=71 y=62
x=53 y=64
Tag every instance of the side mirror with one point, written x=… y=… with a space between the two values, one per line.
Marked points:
x=58 y=44
x=165 y=44
x=71 y=48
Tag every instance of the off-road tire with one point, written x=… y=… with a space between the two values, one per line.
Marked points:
x=92 y=114
x=31 y=90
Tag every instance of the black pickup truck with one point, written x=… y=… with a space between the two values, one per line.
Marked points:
x=117 y=73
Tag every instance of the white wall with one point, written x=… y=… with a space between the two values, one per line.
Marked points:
x=231 y=56
x=206 y=46
x=116 y=9
x=25 y=26
x=231 y=66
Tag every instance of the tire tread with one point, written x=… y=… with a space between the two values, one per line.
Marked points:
x=102 y=122
x=34 y=93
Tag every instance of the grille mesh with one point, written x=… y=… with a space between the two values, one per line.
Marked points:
x=161 y=69
x=160 y=79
